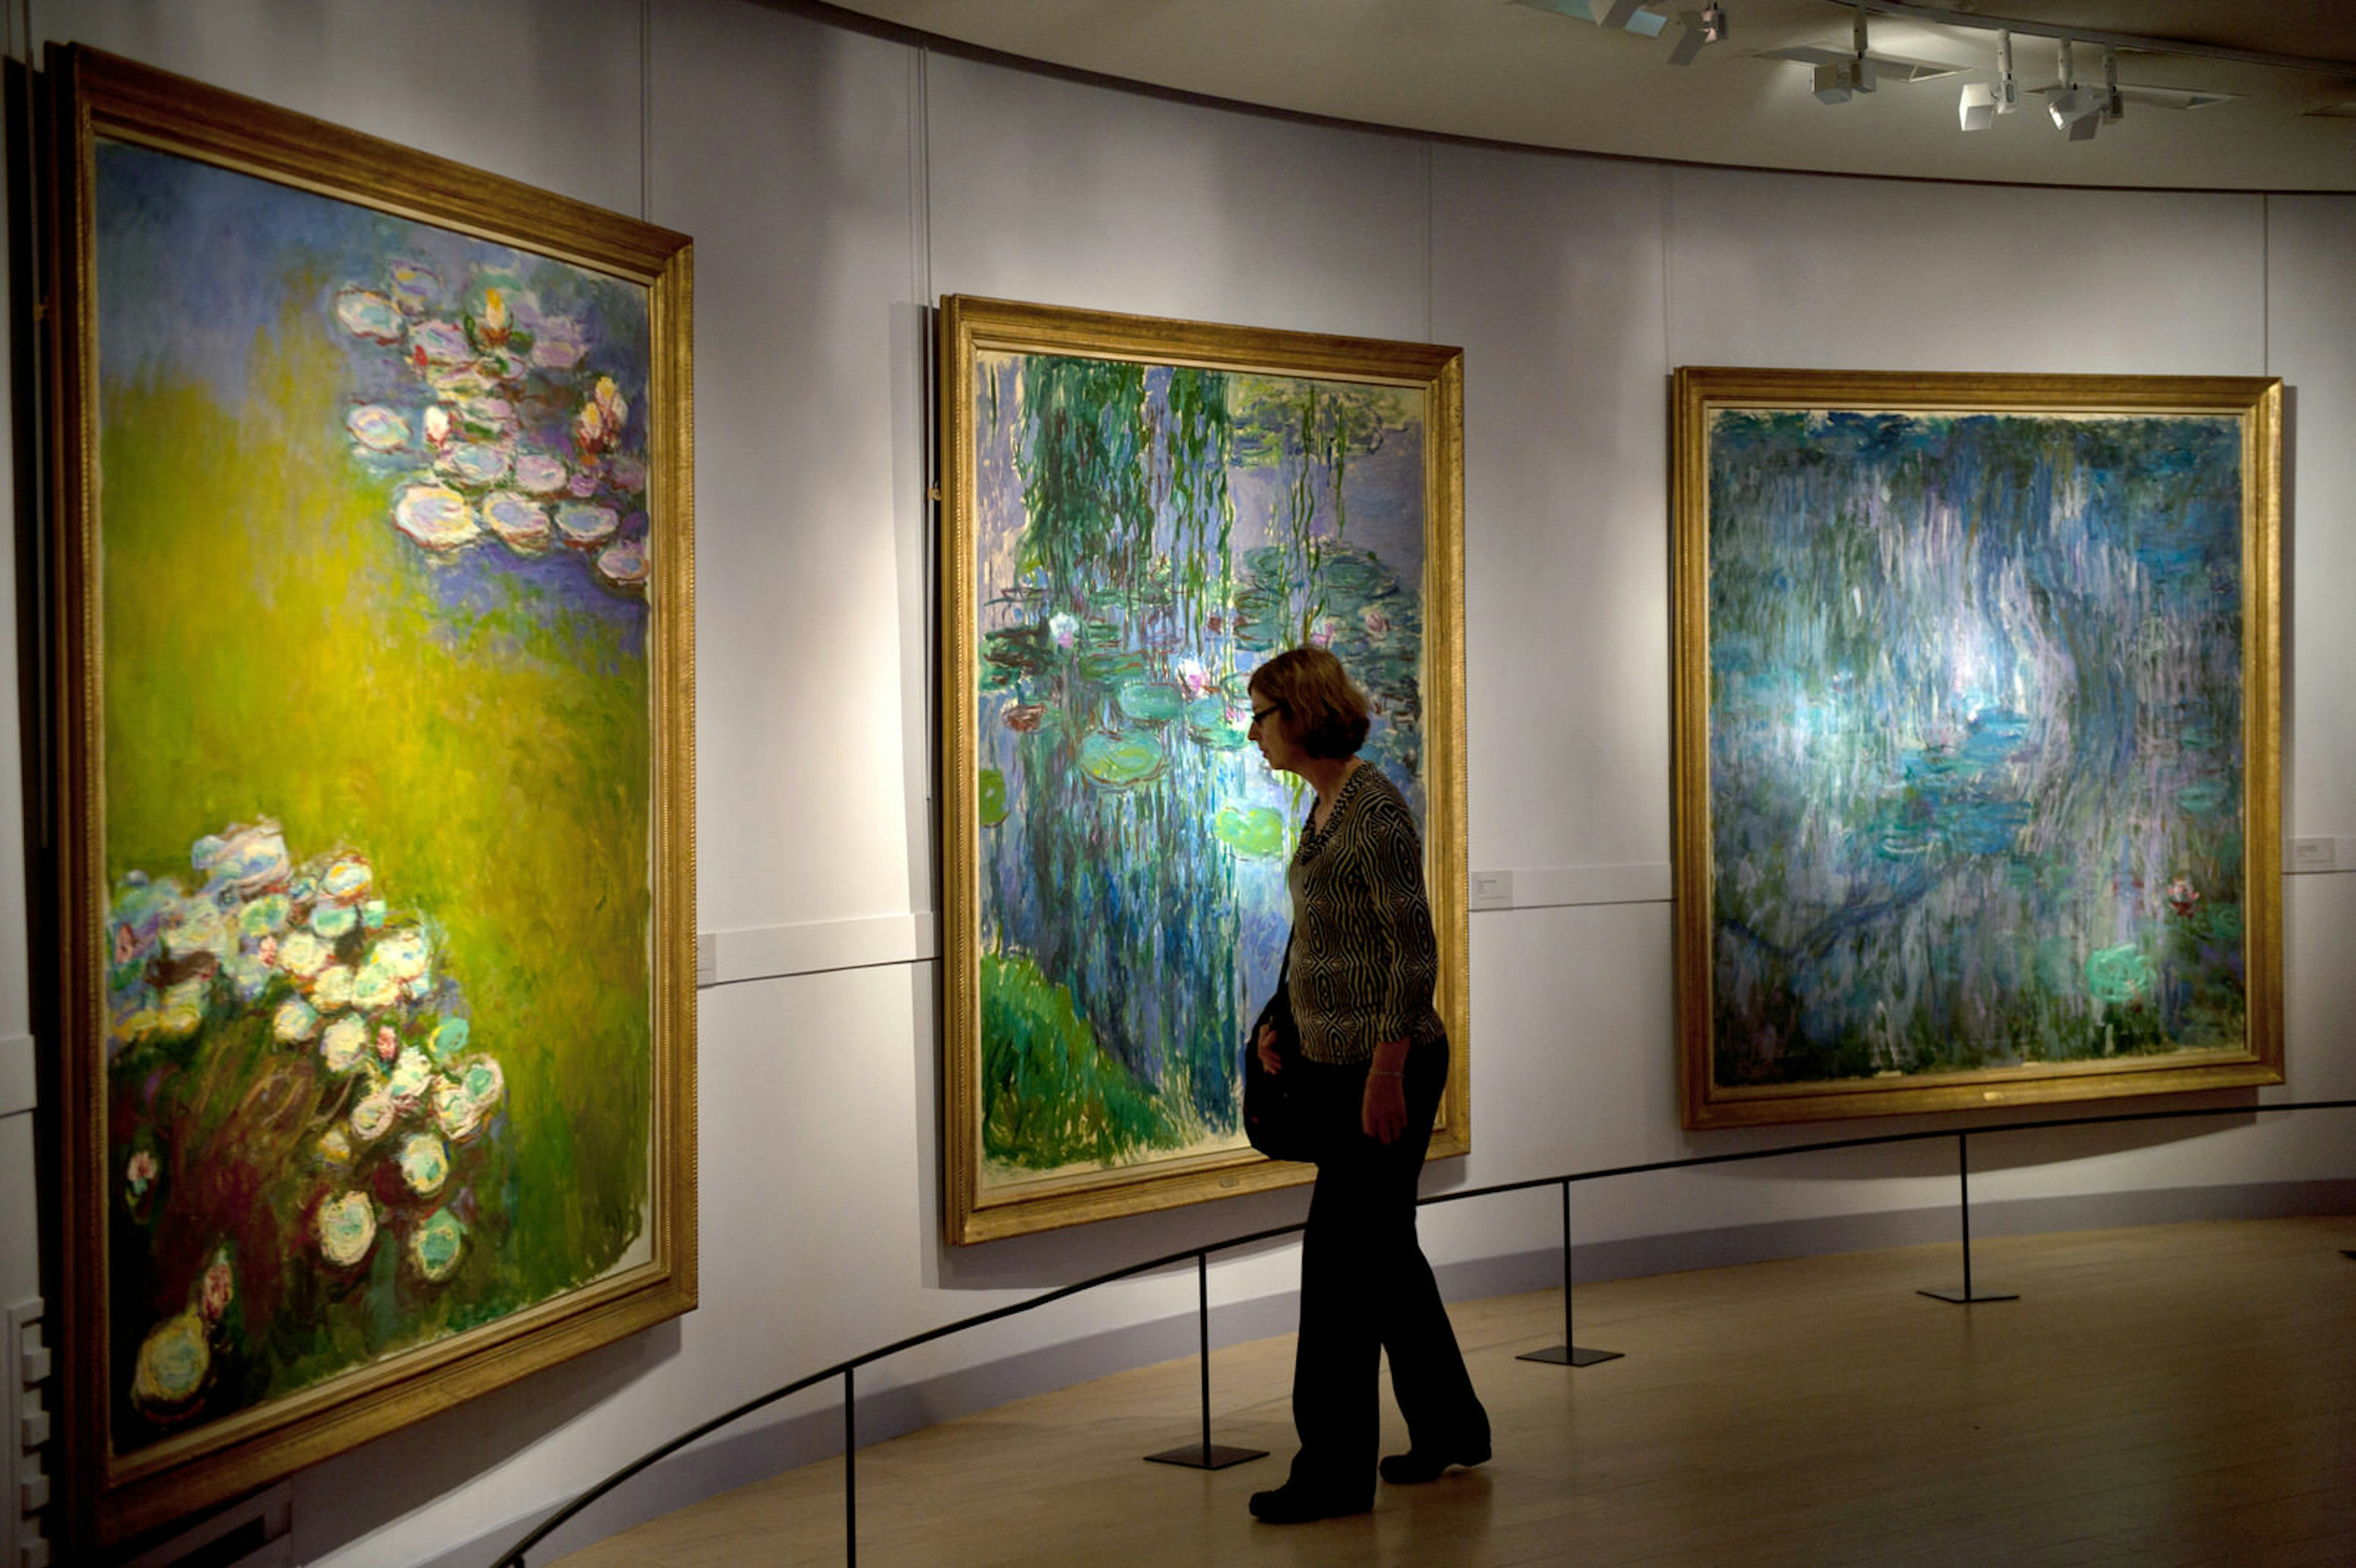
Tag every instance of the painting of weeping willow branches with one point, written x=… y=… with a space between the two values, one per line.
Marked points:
x=1976 y=730
x=376 y=892
x=1141 y=512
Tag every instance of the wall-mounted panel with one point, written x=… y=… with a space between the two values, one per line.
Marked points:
x=545 y=91
x=1818 y=274
x=1064 y=194
x=1548 y=271
x=785 y=146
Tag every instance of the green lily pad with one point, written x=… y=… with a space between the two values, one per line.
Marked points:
x=1151 y=702
x=990 y=787
x=2118 y=975
x=1256 y=831
x=2202 y=798
x=1208 y=721
x=173 y=1364
x=1008 y=655
x=448 y=1040
x=436 y=1245
x=1112 y=664
x=1117 y=762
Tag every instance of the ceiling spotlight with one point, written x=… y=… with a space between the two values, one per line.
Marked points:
x=1983 y=102
x=1837 y=77
x=1706 y=26
x=2076 y=110
x=2115 y=108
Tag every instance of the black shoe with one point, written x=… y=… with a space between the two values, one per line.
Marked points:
x=1417 y=1466
x=1291 y=1504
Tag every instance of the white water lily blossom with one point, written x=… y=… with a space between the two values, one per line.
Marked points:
x=515 y=408
x=305 y=996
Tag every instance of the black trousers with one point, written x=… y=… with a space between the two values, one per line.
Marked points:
x=1366 y=1290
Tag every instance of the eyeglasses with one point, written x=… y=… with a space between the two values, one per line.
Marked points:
x=1259 y=715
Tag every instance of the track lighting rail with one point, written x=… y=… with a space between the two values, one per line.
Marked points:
x=1940 y=16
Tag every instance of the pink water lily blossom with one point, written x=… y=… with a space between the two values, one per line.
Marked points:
x=597 y=427
x=493 y=324
x=220 y=1287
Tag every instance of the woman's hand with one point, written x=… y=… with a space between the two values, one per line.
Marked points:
x=1266 y=1046
x=1383 y=1112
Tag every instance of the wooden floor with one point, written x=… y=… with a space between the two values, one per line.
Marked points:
x=2173 y=1395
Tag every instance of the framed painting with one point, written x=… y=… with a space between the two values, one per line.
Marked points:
x=1978 y=705
x=373 y=655
x=1138 y=513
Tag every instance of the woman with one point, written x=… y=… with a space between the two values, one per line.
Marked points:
x=1364 y=962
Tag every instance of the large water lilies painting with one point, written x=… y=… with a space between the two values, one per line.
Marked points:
x=1141 y=512
x=1976 y=715
x=375 y=538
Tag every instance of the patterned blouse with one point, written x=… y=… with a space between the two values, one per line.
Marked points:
x=1364 y=957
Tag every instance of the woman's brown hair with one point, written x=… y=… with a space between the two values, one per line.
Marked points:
x=1330 y=716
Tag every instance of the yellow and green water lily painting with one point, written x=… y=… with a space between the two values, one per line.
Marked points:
x=373 y=556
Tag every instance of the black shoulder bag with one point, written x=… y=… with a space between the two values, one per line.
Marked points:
x=1279 y=1117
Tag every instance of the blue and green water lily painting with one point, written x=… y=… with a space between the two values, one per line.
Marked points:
x=1145 y=535
x=376 y=784
x=1977 y=796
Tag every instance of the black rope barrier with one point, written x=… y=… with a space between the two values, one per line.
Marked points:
x=1198 y=1255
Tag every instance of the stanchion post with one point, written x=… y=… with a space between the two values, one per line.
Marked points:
x=1571 y=1352
x=1205 y=1457
x=849 y=1472
x=1966 y=1295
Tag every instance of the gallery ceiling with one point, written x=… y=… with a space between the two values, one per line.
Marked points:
x=2272 y=108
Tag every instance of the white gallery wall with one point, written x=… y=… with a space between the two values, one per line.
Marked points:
x=836 y=183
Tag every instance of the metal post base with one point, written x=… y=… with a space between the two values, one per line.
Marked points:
x=1205 y=1457
x=1966 y=1295
x=1570 y=1355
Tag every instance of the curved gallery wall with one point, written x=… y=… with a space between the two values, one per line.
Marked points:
x=836 y=184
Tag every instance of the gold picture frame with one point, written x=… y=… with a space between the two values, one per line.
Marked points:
x=1977 y=713
x=1137 y=511
x=373 y=654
